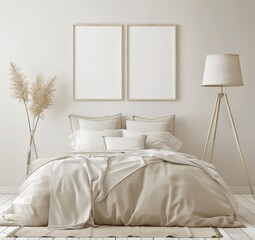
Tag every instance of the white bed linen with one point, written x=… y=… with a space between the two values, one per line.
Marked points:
x=64 y=190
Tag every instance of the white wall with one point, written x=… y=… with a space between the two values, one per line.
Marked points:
x=37 y=35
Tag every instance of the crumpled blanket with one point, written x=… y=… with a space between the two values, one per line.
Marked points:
x=134 y=188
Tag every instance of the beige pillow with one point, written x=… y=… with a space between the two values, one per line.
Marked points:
x=157 y=140
x=146 y=126
x=74 y=120
x=118 y=143
x=90 y=140
x=97 y=125
x=170 y=119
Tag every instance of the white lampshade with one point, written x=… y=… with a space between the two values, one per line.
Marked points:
x=222 y=70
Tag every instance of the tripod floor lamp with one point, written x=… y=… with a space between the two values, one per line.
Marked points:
x=223 y=70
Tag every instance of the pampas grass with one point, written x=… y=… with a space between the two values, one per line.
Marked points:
x=36 y=97
x=19 y=84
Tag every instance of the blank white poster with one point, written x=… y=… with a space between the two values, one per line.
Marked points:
x=97 y=62
x=151 y=62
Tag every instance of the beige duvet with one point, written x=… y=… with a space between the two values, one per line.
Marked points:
x=141 y=188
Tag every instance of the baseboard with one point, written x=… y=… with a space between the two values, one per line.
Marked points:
x=241 y=189
x=4 y=189
x=235 y=189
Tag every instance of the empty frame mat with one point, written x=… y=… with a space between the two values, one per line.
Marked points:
x=151 y=62
x=97 y=62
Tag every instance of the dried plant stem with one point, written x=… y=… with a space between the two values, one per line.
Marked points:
x=28 y=118
x=33 y=136
x=32 y=140
x=36 y=123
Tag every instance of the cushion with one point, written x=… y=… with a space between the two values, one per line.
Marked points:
x=74 y=120
x=170 y=119
x=86 y=140
x=117 y=143
x=157 y=140
x=146 y=126
x=97 y=125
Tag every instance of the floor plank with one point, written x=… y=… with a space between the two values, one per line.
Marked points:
x=236 y=234
x=5 y=198
x=249 y=230
x=247 y=215
x=224 y=234
x=2 y=229
x=246 y=203
x=9 y=229
x=249 y=197
x=6 y=204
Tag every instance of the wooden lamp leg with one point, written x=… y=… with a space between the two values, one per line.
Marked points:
x=211 y=124
x=216 y=125
x=238 y=143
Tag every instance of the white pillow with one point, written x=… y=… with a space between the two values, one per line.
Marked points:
x=170 y=119
x=157 y=140
x=147 y=126
x=74 y=120
x=116 y=143
x=97 y=125
x=86 y=140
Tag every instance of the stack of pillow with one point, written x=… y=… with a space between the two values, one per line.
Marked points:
x=105 y=133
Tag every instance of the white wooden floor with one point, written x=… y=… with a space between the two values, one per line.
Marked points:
x=246 y=216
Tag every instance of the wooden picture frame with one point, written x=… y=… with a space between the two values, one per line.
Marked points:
x=151 y=62
x=97 y=62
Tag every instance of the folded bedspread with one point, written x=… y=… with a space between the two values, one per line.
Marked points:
x=138 y=188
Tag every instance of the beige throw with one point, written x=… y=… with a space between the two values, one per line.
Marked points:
x=138 y=188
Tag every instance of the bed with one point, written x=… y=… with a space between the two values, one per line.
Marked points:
x=132 y=177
